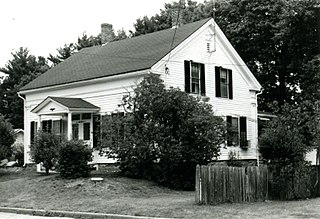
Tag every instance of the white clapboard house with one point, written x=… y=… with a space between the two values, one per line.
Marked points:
x=69 y=98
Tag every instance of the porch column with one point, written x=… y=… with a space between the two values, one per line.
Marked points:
x=69 y=130
x=39 y=123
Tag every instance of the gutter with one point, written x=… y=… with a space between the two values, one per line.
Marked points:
x=24 y=127
x=257 y=148
x=87 y=82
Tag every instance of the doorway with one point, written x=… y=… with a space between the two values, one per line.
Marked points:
x=81 y=127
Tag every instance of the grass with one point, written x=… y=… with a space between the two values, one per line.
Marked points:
x=120 y=195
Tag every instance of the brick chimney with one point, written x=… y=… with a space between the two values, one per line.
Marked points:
x=107 y=33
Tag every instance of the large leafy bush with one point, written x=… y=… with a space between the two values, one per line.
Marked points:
x=164 y=135
x=45 y=149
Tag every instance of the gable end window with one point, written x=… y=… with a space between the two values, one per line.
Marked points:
x=194 y=78
x=224 y=82
x=237 y=131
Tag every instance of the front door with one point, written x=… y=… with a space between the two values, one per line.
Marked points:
x=81 y=128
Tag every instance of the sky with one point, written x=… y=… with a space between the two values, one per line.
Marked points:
x=42 y=26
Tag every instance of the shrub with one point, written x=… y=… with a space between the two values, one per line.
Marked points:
x=73 y=159
x=6 y=138
x=45 y=149
x=164 y=135
x=18 y=154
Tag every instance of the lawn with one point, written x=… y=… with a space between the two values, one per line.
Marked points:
x=120 y=195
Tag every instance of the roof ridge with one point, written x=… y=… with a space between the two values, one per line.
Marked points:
x=155 y=32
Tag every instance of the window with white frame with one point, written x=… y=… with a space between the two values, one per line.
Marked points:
x=223 y=82
x=237 y=131
x=194 y=77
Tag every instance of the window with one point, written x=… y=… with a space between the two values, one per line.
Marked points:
x=75 y=131
x=86 y=116
x=75 y=117
x=47 y=126
x=237 y=131
x=194 y=78
x=86 y=131
x=224 y=82
x=56 y=127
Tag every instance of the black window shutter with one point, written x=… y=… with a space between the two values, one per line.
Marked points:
x=61 y=128
x=229 y=133
x=243 y=131
x=44 y=125
x=187 y=76
x=32 y=132
x=96 y=130
x=218 y=89
x=202 y=80
x=230 y=84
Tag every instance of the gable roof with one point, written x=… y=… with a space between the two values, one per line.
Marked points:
x=114 y=58
x=73 y=102
x=67 y=103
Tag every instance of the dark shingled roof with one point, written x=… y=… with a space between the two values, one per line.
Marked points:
x=74 y=103
x=119 y=57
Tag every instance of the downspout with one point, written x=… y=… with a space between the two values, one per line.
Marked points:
x=257 y=148
x=24 y=128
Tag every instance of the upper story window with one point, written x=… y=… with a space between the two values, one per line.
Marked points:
x=224 y=82
x=194 y=78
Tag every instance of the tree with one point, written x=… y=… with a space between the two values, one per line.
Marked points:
x=45 y=149
x=86 y=41
x=190 y=11
x=290 y=135
x=83 y=42
x=284 y=145
x=274 y=38
x=7 y=138
x=63 y=53
x=310 y=81
x=165 y=134
x=22 y=69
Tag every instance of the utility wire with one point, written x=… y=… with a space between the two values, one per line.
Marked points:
x=177 y=61
x=174 y=36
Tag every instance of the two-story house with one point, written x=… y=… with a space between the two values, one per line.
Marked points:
x=197 y=58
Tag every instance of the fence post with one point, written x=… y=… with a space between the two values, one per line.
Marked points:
x=318 y=179
x=198 y=185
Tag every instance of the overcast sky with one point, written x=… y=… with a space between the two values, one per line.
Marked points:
x=42 y=25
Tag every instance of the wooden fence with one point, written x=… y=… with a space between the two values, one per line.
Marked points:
x=219 y=184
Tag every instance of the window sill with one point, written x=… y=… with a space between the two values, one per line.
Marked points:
x=224 y=98
x=204 y=98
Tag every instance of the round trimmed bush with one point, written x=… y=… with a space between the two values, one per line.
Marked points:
x=73 y=159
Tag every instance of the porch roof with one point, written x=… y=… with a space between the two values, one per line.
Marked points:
x=54 y=105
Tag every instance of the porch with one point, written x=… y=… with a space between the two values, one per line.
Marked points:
x=71 y=119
